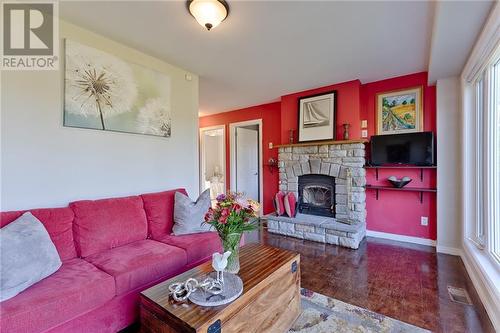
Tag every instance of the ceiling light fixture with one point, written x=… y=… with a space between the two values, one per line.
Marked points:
x=208 y=13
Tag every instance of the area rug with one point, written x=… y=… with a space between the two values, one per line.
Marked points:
x=322 y=314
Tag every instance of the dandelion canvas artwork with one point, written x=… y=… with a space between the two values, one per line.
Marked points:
x=400 y=111
x=107 y=93
x=317 y=117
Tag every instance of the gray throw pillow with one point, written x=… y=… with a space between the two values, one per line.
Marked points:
x=27 y=255
x=189 y=216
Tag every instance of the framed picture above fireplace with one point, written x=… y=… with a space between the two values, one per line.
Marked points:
x=317 y=117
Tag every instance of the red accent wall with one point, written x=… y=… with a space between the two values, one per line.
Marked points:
x=348 y=109
x=400 y=212
x=394 y=212
x=270 y=115
x=370 y=90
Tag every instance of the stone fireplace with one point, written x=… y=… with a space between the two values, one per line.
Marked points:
x=329 y=183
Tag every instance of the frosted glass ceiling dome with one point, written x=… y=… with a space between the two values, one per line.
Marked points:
x=208 y=13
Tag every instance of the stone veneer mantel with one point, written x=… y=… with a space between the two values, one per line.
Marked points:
x=333 y=160
x=320 y=143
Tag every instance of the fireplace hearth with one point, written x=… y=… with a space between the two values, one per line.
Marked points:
x=317 y=195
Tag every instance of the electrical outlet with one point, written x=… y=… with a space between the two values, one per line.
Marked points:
x=364 y=123
x=424 y=220
x=364 y=133
x=271 y=145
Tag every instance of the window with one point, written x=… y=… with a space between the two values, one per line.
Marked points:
x=478 y=236
x=485 y=231
x=495 y=107
x=480 y=147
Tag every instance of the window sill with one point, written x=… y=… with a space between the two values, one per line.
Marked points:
x=485 y=274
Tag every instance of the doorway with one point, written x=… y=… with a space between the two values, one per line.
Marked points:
x=213 y=160
x=246 y=158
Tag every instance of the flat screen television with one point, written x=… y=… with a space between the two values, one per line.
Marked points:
x=409 y=148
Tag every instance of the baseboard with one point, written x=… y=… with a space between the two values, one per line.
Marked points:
x=449 y=250
x=482 y=284
x=401 y=238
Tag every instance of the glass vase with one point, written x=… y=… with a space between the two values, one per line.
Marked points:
x=231 y=243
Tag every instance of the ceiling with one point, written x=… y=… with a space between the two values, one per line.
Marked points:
x=457 y=25
x=266 y=49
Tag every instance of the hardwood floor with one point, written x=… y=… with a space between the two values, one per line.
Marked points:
x=401 y=280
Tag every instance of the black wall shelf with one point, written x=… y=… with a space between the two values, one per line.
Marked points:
x=422 y=168
x=404 y=189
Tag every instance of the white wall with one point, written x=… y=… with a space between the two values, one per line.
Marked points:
x=46 y=165
x=449 y=176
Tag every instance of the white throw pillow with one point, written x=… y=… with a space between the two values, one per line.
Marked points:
x=27 y=255
x=189 y=216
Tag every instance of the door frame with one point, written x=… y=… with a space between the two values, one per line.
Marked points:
x=202 y=153
x=232 y=154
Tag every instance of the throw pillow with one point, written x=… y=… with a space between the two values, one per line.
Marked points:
x=189 y=215
x=28 y=255
x=279 y=204
x=290 y=204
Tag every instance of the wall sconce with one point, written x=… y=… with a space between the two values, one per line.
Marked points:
x=272 y=164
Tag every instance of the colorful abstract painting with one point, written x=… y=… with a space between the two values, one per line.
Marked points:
x=104 y=92
x=400 y=112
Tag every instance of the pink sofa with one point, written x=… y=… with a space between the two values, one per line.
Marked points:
x=111 y=250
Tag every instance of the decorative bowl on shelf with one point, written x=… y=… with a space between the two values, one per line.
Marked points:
x=399 y=183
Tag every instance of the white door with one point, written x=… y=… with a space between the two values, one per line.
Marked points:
x=247 y=162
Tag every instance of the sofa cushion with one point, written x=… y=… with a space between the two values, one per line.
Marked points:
x=27 y=255
x=59 y=225
x=159 y=209
x=75 y=288
x=139 y=263
x=189 y=216
x=105 y=224
x=197 y=246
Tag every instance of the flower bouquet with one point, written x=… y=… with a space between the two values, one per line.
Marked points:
x=231 y=217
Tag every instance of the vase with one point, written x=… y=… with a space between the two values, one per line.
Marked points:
x=346 y=131
x=231 y=243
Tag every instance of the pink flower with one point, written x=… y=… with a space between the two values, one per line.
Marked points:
x=209 y=216
x=254 y=205
x=224 y=214
x=237 y=207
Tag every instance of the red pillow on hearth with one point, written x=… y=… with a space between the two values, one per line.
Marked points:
x=279 y=204
x=290 y=202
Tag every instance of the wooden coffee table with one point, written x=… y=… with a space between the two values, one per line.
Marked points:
x=270 y=301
